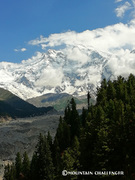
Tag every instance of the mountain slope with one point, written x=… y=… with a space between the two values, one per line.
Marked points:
x=13 y=106
x=58 y=101
x=62 y=72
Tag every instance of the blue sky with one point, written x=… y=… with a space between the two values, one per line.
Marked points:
x=25 y=20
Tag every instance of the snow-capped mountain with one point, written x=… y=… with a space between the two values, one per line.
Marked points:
x=56 y=71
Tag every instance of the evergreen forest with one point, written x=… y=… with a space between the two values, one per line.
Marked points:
x=101 y=138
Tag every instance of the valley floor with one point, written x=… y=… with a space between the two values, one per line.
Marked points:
x=21 y=135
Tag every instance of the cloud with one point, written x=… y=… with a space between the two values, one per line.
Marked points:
x=16 y=50
x=20 y=50
x=120 y=11
x=118 y=1
x=122 y=64
x=23 y=49
x=54 y=39
x=76 y=54
x=133 y=9
x=133 y=1
x=114 y=42
x=52 y=79
x=108 y=39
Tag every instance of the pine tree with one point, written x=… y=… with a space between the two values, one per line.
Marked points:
x=63 y=134
x=111 y=92
x=57 y=157
x=13 y=172
x=102 y=96
x=74 y=120
x=7 y=172
x=44 y=159
x=34 y=167
x=49 y=139
x=18 y=164
x=84 y=117
x=102 y=146
x=88 y=99
x=71 y=157
x=67 y=114
x=26 y=166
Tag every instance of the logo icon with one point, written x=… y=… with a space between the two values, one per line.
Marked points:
x=64 y=172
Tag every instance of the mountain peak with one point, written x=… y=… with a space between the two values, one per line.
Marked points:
x=74 y=71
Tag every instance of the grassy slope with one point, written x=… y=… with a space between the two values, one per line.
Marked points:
x=58 y=101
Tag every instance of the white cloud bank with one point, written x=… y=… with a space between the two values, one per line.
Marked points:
x=109 y=39
x=115 y=42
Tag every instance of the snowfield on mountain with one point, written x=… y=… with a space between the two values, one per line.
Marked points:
x=58 y=71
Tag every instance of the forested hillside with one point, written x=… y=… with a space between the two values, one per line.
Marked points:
x=101 y=139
